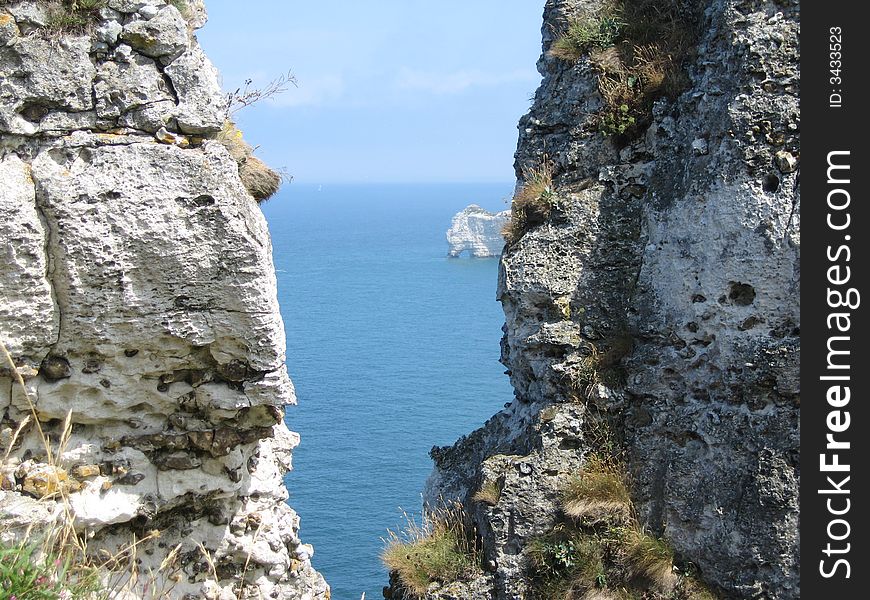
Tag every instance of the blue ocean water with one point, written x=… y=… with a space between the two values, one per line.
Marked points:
x=393 y=348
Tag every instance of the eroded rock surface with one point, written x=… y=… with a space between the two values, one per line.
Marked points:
x=676 y=254
x=137 y=290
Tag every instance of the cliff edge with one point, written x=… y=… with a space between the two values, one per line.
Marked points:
x=138 y=296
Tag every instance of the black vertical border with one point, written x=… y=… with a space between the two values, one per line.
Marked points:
x=826 y=128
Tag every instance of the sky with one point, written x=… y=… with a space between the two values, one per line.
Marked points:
x=388 y=90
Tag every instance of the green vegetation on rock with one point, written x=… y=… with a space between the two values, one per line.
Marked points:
x=26 y=573
x=532 y=202
x=444 y=549
x=599 y=551
x=72 y=15
x=638 y=49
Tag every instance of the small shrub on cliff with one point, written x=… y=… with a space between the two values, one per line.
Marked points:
x=600 y=551
x=532 y=202
x=607 y=563
x=566 y=563
x=444 y=549
x=246 y=95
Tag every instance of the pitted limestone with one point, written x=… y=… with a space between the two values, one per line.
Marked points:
x=138 y=291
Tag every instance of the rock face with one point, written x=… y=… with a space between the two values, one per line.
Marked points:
x=674 y=253
x=137 y=291
x=478 y=231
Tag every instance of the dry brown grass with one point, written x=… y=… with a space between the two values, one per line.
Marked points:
x=599 y=492
x=532 y=201
x=489 y=493
x=58 y=540
x=607 y=595
x=259 y=180
x=588 y=370
x=602 y=367
x=696 y=590
x=629 y=82
x=651 y=559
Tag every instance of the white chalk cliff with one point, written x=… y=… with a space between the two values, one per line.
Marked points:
x=478 y=231
x=137 y=290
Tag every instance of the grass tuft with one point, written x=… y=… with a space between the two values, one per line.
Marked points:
x=598 y=493
x=260 y=181
x=602 y=367
x=588 y=370
x=489 y=493
x=696 y=590
x=651 y=559
x=443 y=549
x=72 y=16
x=532 y=202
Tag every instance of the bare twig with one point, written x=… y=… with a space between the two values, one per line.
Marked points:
x=245 y=95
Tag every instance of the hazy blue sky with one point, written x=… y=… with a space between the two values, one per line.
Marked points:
x=389 y=90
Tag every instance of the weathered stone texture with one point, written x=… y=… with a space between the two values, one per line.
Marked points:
x=137 y=290
x=679 y=251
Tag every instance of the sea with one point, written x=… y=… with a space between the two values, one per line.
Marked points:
x=393 y=348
